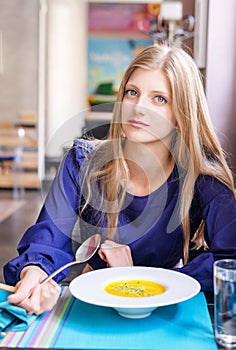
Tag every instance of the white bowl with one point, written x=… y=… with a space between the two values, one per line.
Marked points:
x=89 y=288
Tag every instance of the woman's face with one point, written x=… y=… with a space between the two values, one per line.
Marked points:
x=147 y=107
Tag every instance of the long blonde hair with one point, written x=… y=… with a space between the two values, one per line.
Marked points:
x=196 y=148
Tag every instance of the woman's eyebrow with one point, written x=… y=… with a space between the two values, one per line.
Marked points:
x=130 y=85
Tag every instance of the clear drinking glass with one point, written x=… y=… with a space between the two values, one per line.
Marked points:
x=225 y=302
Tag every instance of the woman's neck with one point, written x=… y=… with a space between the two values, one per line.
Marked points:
x=148 y=170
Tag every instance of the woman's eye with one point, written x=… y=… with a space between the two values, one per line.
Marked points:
x=130 y=92
x=160 y=99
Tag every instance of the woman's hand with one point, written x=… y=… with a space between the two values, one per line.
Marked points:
x=42 y=298
x=115 y=254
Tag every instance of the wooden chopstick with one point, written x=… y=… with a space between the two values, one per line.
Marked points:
x=6 y=287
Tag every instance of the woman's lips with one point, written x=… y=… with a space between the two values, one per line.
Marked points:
x=138 y=124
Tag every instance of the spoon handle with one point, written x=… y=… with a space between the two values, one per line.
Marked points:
x=53 y=274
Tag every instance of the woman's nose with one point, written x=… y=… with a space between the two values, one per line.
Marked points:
x=141 y=106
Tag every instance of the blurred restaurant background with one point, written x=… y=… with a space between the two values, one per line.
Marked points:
x=61 y=62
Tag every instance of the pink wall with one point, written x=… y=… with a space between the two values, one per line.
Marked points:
x=221 y=72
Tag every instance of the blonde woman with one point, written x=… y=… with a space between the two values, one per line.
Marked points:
x=158 y=190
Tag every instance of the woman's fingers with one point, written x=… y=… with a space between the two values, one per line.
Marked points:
x=33 y=297
x=42 y=298
x=32 y=303
x=50 y=293
x=22 y=289
x=115 y=254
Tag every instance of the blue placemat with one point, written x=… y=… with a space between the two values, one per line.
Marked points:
x=77 y=325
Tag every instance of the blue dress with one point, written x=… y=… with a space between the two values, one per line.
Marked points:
x=149 y=224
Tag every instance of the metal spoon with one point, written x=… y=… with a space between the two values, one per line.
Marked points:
x=87 y=249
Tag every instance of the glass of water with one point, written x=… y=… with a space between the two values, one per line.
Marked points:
x=225 y=302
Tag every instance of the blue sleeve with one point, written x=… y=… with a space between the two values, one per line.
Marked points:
x=218 y=210
x=48 y=243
